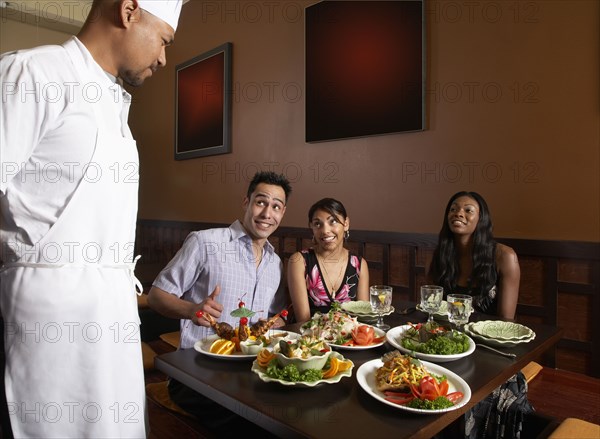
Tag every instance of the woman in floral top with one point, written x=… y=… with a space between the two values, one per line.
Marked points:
x=327 y=272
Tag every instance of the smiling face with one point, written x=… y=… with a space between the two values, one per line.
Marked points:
x=463 y=216
x=263 y=211
x=144 y=48
x=328 y=230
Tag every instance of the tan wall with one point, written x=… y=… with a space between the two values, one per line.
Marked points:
x=16 y=35
x=541 y=134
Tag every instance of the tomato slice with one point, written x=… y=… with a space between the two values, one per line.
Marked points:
x=416 y=391
x=394 y=393
x=430 y=386
x=363 y=335
x=401 y=401
x=454 y=397
x=443 y=387
x=398 y=397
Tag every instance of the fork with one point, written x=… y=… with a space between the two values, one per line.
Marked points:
x=506 y=354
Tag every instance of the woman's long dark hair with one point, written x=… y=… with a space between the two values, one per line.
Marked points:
x=445 y=269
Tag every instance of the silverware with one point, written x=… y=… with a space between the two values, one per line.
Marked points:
x=506 y=354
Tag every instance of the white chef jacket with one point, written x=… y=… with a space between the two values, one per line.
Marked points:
x=47 y=136
x=63 y=380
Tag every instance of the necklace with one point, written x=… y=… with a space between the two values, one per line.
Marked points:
x=257 y=253
x=334 y=283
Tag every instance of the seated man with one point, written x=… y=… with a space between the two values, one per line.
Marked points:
x=211 y=273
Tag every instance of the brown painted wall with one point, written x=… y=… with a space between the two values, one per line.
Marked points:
x=532 y=151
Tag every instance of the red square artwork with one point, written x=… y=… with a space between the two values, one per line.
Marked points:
x=202 y=121
x=364 y=68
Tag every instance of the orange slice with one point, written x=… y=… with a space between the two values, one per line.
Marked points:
x=222 y=347
x=344 y=365
x=264 y=357
x=333 y=368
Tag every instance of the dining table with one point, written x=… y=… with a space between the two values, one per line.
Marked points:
x=345 y=409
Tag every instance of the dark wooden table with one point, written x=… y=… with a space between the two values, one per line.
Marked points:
x=343 y=409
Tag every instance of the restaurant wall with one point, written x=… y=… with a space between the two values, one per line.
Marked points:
x=512 y=109
x=16 y=35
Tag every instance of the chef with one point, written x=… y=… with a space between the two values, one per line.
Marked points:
x=68 y=204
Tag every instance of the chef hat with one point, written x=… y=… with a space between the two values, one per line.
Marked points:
x=166 y=10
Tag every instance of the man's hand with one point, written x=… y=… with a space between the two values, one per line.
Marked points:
x=209 y=306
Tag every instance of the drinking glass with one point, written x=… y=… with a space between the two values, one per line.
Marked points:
x=381 y=299
x=431 y=299
x=459 y=309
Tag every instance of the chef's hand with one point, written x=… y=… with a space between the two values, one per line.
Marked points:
x=209 y=306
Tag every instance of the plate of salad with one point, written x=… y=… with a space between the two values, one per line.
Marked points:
x=437 y=390
x=343 y=331
x=431 y=342
x=268 y=369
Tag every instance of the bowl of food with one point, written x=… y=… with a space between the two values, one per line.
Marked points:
x=305 y=353
x=251 y=347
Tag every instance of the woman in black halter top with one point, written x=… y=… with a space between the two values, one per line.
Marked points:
x=468 y=260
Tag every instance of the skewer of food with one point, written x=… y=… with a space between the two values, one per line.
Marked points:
x=244 y=338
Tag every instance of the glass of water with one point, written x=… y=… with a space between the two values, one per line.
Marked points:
x=381 y=300
x=431 y=299
x=459 y=309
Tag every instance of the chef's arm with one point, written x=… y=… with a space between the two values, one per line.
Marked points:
x=169 y=305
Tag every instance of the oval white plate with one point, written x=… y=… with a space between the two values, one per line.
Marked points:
x=366 y=379
x=203 y=346
x=394 y=337
x=378 y=333
x=334 y=379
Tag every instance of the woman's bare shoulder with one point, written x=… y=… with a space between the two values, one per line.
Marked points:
x=505 y=255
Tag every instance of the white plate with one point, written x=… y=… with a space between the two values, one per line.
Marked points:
x=394 y=337
x=203 y=346
x=366 y=379
x=334 y=379
x=493 y=342
x=378 y=333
